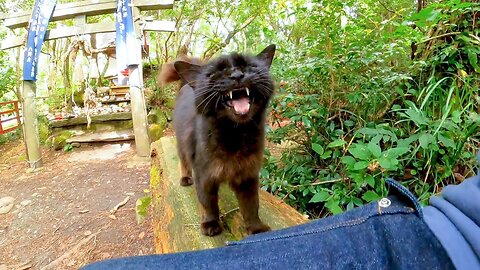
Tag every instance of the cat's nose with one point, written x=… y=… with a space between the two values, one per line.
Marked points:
x=237 y=75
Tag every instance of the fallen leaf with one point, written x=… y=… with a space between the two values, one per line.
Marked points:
x=6 y=204
x=120 y=204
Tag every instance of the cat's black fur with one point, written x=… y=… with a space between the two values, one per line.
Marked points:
x=222 y=138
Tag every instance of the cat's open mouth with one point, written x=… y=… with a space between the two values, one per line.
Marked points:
x=239 y=100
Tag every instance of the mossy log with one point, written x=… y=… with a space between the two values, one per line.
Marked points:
x=82 y=120
x=176 y=214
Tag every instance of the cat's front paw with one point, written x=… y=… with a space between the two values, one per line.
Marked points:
x=258 y=228
x=186 y=181
x=211 y=228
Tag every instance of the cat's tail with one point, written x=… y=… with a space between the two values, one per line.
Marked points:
x=169 y=74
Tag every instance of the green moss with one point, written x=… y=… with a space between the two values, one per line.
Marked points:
x=170 y=103
x=154 y=116
x=159 y=116
x=60 y=140
x=154 y=176
x=43 y=130
x=155 y=131
x=112 y=126
x=121 y=125
x=78 y=95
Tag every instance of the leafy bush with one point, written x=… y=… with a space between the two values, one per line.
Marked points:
x=10 y=136
x=356 y=115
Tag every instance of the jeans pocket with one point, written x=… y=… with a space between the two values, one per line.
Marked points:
x=386 y=206
x=398 y=189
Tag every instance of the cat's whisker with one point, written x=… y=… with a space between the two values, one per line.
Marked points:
x=206 y=105
x=216 y=103
x=203 y=92
x=206 y=87
x=263 y=83
x=203 y=101
x=264 y=90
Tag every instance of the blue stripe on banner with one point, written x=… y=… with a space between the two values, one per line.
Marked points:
x=42 y=12
x=127 y=46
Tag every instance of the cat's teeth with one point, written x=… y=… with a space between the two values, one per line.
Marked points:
x=231 y=95
x=248 y=91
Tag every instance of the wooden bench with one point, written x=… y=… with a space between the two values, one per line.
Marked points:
x=176 y=212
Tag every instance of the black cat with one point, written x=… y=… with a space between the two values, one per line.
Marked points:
x=219 y=121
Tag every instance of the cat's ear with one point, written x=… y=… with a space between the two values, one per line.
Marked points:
x=187 y=71
x=266 y=56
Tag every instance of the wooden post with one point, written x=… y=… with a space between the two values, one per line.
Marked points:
x=139 y=111
x=30 y=130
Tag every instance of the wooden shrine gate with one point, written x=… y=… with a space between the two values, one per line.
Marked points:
x=79 y=11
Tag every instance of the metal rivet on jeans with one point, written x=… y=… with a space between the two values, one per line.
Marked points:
x=384 y=202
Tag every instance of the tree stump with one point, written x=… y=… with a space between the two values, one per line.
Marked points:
x=176 y=213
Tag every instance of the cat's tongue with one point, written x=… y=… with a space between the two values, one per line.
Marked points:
x=241 y=105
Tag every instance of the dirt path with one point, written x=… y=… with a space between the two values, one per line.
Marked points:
x=61 y=216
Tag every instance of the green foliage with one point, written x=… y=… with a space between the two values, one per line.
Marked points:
x=59 y=141
x=44 y=131
x=359 y=110
x=141 y=208
x=68 y=147
x=158 y=97
x=10 y=136
x=7 y=76
x=356 y=105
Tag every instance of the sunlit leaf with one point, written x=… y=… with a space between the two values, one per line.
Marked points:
x=370 y=196
x=317 y=148
x=360 y=151
x=336 y=143
x=374 y=149
x=141 y=208
x=321 y=196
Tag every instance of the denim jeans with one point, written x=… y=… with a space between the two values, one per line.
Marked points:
x=388 y=234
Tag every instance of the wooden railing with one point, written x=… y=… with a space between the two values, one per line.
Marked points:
x=11 y=114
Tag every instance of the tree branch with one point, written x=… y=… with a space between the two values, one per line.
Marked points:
x=214 y=49
x=388 y=9
x=440 y=36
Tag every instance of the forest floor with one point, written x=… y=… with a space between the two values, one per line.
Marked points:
x=62 y=215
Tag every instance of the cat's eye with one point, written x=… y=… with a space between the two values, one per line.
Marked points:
x=222 y=66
